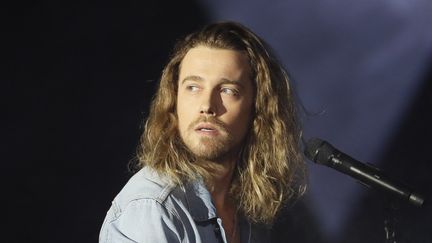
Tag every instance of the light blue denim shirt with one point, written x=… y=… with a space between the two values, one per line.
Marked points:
x=151 y=209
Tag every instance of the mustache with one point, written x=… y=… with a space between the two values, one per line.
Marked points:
x=215 y=122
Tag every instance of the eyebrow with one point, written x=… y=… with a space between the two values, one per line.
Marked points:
x=192 y=78
x=223 y=80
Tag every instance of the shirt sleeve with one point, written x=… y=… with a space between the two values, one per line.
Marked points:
x=143 y=220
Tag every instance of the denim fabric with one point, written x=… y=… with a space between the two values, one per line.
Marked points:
x=151 y=209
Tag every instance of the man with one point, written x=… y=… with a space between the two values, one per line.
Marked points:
x=220 y=151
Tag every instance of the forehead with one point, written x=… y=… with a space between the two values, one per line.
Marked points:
x=207 y=60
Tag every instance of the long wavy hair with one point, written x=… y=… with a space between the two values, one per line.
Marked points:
x=270 y=169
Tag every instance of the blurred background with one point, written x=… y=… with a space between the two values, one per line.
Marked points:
x=77 y=79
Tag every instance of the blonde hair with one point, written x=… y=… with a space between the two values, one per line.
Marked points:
x=270 y=168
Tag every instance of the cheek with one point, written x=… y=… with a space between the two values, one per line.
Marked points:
x=182 y=121
x=184 y=114
x=240 y=122
x=180 y=114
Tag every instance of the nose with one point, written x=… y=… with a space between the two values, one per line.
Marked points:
x=206 y=110
x=208 y=104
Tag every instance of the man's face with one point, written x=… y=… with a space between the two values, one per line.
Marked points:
x=214 y=101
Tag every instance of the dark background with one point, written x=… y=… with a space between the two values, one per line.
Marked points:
x=76 y=83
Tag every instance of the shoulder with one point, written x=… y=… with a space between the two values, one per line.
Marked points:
x=143 y=208
x=260 y=233
x=254 y=232
x=145 y=184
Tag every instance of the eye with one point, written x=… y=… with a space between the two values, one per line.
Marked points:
x=192 y=88
x=230 y=91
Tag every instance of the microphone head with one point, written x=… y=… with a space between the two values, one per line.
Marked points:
x=318 y=151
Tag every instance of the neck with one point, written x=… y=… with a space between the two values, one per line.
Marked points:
x=225 y=206
x=222 y=185
x=221 y=182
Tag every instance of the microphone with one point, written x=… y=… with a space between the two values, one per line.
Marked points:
x=322 y=152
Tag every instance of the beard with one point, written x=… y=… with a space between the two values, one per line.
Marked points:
x=209 y=148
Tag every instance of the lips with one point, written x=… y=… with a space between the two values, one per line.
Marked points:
x=206 y=127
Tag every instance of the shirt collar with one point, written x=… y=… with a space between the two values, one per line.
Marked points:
x=200 y=202
x=201 y=208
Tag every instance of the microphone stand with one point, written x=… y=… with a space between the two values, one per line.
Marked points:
x=322 y=152
x=391 y=207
